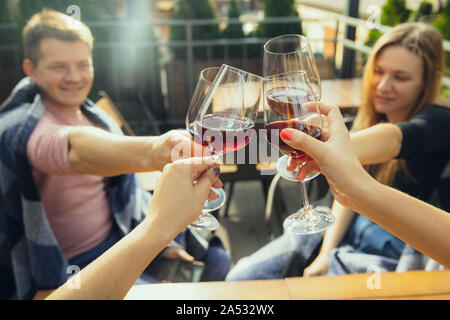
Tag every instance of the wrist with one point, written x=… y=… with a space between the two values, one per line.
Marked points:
x=324 y=254
x=157 y=221
x=150 y=153
x=155 y=153
x=328 y=245
x=364 y=192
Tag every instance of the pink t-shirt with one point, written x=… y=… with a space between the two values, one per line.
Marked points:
x=77 y=205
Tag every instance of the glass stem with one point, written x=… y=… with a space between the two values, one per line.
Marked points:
x=306 y=205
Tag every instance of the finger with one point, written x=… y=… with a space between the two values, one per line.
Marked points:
x=319 y=107
x=295 y=162
x=198 y=165
x=199 y=150
x=206 y=180
x=175 y=252
x=212 y=195
x=301 y=141
x=292 y=164
x=182 y=148
x=306 y=273
x=188 y=147
x=183 y=255
x=333 y=114
x=183 y=132
x=306 y=169
x=218 y=184
x=312 y=274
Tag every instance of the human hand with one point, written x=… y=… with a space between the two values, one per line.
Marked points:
x=182 y=191
x=175 y=145
x=177 y=253
x=333 y=156
x=319 y=267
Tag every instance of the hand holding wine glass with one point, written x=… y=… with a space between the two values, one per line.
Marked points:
x=221 y=117
x=333 y=156
x=286 y=96
x=291 y=53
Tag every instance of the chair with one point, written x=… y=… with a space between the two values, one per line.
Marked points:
x=274 y=228
x=232 y=173
x=110 y=108
x=148 y=179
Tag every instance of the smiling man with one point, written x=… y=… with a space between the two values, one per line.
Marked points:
x=68 y=190
x=59 y=59
x=64 y=72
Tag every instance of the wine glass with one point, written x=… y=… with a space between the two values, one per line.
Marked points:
x=285 y=98
x=289 y=53
x=221 y=117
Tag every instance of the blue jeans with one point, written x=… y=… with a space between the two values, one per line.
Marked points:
x=217 y=260
x=368 y=237
x=365 y=241
x=271 y=261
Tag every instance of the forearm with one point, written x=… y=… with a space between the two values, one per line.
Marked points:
x=377 y=144
x=112 y=275
x=415 y=222
x=334 y=235
x=98 y=152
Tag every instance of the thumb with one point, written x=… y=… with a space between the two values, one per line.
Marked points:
x=183 y=255
x=176 y=253
x=301 y=141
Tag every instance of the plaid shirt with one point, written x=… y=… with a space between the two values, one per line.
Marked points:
x=30 y=257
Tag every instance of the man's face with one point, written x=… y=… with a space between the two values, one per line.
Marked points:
x=64 y=71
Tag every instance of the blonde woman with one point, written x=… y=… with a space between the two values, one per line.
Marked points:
x=402 y=138
x=399 y=134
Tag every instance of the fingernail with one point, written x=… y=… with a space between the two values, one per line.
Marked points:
x=286 y=134
x=216 y=171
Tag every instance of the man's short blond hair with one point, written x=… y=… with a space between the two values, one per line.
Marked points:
x=53 y=24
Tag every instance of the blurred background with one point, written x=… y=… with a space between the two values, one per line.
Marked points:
x=148 y=53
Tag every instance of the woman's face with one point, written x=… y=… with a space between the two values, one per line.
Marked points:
x=397 y=82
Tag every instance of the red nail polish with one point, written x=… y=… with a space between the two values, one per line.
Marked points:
x=286 y=134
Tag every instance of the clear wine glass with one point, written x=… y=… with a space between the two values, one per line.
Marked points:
x=221 y=117
x=285 y=98
x=289 y=53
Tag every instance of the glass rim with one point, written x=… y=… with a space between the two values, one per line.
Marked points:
x=287 y=74
x=203 y=78
x=285 y=36
x=233 y=69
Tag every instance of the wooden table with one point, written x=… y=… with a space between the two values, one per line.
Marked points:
x=346 y=93
x=408 y=285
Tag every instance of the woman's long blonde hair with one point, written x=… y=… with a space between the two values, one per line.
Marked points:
x=426 y=43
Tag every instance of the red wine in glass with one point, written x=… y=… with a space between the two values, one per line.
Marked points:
x=287 y=102
x=308 y=128
x=222 y=133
